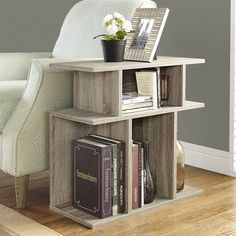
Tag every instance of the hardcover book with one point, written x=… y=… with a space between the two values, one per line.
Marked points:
x=135 y=182
x=108 y=141
x=140 y=173
x=147 y=85
x=92 y=177
x=120 y=171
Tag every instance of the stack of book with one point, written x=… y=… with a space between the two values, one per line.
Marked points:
x=140 y=149
x=152 y=92
x=146 y=96
x=99 y=175
x=136 y=102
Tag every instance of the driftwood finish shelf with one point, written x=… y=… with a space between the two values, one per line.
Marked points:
x=98 y=88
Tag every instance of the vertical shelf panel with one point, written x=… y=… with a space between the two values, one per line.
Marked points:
x=129 y=81
x=122 y=131
x=176 y=84
x=161 y=133
x=61 y=135
x=103 y=92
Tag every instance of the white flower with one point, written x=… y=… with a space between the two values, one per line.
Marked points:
x=127 y=26
x=119 y=16
x=112 y=29
x=107 y=18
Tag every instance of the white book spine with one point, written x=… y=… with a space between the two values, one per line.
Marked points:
x=137 y=110
x=135 y=100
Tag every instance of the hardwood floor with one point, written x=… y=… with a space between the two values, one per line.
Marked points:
x=211 y=213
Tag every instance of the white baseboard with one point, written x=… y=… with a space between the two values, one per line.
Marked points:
x=208 y=158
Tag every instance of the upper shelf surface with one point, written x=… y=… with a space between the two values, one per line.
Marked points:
x=101 y=66
x=93 y=118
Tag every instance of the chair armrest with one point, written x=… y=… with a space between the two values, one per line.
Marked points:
x=26 y=134
x=15 y=66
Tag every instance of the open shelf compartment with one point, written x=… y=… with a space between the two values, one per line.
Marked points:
x=163 y=163
x=176 y=82
x=104 y=89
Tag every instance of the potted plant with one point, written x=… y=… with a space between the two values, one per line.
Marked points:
x=113 y=43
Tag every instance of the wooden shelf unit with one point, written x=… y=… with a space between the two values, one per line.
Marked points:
x=98 y=88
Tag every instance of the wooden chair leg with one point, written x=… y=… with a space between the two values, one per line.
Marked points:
x=21 y=189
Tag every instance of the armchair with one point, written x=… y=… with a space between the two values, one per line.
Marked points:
x=30 y=89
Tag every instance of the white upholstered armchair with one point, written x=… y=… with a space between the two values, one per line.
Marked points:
x=30 y=89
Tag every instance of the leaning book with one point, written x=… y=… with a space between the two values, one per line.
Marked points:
x=92 y=177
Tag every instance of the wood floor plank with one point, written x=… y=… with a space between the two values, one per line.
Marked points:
x=211 y=213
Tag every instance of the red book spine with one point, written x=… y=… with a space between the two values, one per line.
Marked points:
x=135 y=187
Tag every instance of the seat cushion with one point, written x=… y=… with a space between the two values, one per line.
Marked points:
x=10 y=94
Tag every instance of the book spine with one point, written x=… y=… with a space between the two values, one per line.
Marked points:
x=137 y=105
x=106 y=176
x=135 y=187
x=142 y=177
x=114 y=175
x=137 y=110
x=139 y=175
x=121 y=178
x=135 y=100
x=158 y=87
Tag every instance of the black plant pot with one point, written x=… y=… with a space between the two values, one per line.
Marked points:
x=113 y=50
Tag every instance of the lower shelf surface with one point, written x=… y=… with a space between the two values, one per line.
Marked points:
x=91 y=221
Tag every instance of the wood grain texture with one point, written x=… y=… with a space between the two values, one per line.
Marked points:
x=93 y=118
x=176 y=84
x=101 y=66
x=122 y=131
x=98 y=92
x=129 y=81
x=160 y=131
x=93 y=222
x=21 y=189
x=62 y=133
x=212 y=213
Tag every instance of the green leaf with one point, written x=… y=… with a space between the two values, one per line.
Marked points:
x=109 y=37
x=121 y=34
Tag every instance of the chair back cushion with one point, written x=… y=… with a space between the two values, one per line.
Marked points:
x=84 y=21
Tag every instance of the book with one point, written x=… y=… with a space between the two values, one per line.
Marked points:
x=142 y=177
x=147 y=85
x=164 y=90
x=120 y=171
x=135 y=179
x=140 y=166
x=158 y=87
x=137 y=105
x=114 y=169
x=130 y=98
x=92 y=177
x=137 y=110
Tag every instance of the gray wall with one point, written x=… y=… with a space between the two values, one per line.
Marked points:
x=195 y=28
x=31 y=25
x=202 y=29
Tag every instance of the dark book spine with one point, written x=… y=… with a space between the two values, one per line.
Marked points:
x=135 y=181
x=121 y=178
x=106 y=176
x=139 y=175
x=164 y=90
